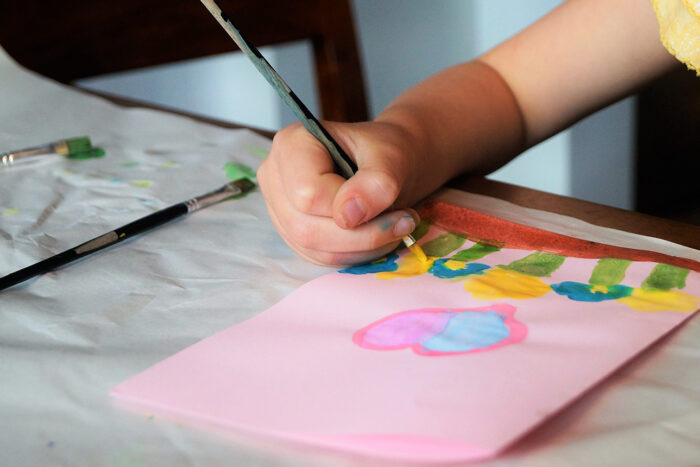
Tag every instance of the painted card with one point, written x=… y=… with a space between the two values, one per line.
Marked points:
x=447 y=360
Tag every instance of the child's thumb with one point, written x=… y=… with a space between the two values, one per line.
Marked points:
x=371 y=191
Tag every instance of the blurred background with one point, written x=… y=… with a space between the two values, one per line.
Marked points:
x=402 y=42
x=639 y=154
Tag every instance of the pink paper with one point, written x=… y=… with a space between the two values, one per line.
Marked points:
x=449 y=361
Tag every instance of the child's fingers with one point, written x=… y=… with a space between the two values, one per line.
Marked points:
x=318 y=233
x=368 y=193
x=306 y=171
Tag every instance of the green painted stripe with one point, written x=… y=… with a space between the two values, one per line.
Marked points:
x=421 y=229
x=609 y=271
x=474 y=252
x=537 y=264
x=443 y=245
x=666 y=277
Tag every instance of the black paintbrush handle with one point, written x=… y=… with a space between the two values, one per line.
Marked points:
x=96 y=244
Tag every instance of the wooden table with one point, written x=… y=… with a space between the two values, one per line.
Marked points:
x=594 y=213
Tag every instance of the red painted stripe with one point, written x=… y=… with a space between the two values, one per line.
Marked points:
x=492 y=230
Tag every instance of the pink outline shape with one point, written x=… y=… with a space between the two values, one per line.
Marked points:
x=518 y=330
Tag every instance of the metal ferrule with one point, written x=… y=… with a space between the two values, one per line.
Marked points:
x=9 y=158
x=230 y=189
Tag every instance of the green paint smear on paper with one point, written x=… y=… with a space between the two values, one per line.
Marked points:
x=421 y=229
x=169 y=164
x=140 y=183
x=665 y=277
x=89 y=154
x=474 y=252
x=235 y=171
x=609 y=271
x=259 y=151
x=537 y=264
x=443 y=245
x=419 y=232
x=9 y=212
x=130 y=164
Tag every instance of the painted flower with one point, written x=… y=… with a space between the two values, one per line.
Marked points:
x=388 y=263
x=591 y=293
x=408 y=266
x=449 y=268
x=444 y=331
x=660 y=300
x=499 y=283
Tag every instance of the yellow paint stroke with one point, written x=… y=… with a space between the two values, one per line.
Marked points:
x=10 y=212
x=500 y=283
x=599 y=288
x=660 y=300
x=454 y=265
x=169 y=164
x=140 y=183
x=409 y=266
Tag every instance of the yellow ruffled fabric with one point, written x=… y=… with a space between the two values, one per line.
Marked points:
x=679 y=22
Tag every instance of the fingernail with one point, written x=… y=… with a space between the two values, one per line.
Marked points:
x=353 y=212
x=404 y=226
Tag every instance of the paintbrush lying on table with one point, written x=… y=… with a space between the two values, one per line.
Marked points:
x=231 y=189
x=73 y=148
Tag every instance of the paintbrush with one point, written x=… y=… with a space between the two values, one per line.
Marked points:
x=346 y=166
x=73 y=148
x=235 y=188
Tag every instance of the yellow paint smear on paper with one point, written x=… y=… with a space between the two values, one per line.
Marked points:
x=409 y=266
x=140 y=183
x=660 y=300
x=454 y=265
x=499 y=283
x=9 y=212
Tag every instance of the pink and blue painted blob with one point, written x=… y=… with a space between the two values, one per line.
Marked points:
x=444 y=331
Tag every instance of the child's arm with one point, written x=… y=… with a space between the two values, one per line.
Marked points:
x=472 y=117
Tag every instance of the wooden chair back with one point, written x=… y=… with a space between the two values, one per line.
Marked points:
x=74 y=39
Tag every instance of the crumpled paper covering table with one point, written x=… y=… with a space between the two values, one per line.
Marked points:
x=69 y=336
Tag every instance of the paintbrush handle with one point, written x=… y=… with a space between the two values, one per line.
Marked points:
x=94 y=245
x=127 y=231
x=346 y=166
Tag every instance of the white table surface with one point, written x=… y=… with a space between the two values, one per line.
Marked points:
x=69 y=336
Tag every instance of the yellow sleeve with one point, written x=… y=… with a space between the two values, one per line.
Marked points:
x=679 y=24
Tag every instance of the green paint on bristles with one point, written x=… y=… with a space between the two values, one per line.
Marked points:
x=81 y=148
x=81 y=144
x=90 y=154
x=236 y=171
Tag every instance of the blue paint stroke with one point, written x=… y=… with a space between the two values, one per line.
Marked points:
x=583 y=292
x=438 y=269
x=387 y=263
x=469 y=330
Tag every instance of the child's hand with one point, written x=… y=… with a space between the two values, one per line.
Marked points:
x=327 y=219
